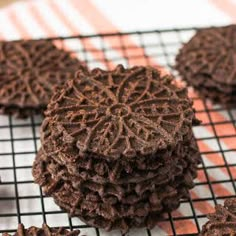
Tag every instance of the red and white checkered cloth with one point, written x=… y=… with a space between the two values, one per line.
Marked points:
x=46 y=18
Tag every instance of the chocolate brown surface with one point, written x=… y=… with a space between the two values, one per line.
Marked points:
x=116 y=205
x=120 y=171
x=118 y=149
x=223 y=221
x=207 y=62
x=124 y=112
x=44 y=231
x=108 y=205
x=30 y=71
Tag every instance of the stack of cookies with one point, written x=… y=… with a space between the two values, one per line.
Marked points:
x=207 y=62
x=118 y=148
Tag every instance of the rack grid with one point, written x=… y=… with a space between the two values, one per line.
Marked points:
x=22 y=201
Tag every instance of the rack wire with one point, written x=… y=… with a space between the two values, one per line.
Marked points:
x=22 y=201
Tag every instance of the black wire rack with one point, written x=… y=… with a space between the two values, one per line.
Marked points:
x=22 y=201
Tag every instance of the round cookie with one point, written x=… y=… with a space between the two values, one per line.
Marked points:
x=30 y=71
x=122 y=113
x=207 y=62
x=44 y=231
x=118 y=149
x=222 y=221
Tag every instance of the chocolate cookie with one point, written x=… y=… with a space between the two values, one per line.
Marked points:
x=44 y=231
x=222 y=221
x=30 y=71
x=118 y=171
x=207 y=62
x=111 y=204
x=122 y=113
x=118 y=149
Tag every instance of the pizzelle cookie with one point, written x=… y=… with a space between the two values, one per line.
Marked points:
x=222 y=221
x=118 y=148
x=114 y=205
x=44 y=231
x=30 y=71
x=207 y=62
x=140 y=111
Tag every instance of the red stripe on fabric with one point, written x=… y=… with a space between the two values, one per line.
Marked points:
x=98 y=54
x=218 y=188
x=185 y=227
x=165 y=226
x=188 y=227
x=88 y=45
x=100 y=22
x=229 y=8
x=1 y=36
x=25 y=34
x=217 y=160
x=220 y=129
x=226 y=6
x=33 y=11
x=201 y=205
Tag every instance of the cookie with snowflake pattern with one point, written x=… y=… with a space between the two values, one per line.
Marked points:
x=122 y=113
x=118 y=148
x=30 y=71
x=208 y=63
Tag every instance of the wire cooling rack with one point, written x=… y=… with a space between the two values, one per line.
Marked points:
x=23 y=201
